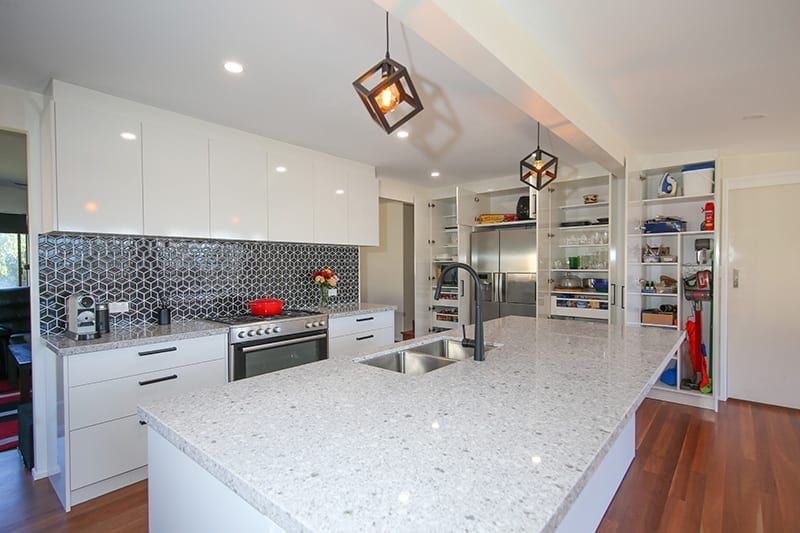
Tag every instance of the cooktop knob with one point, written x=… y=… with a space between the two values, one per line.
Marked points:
x=321 y=323
x=276 y=329
x=241 y=334
x=260 y=331
x=267 y=330
x=309 y=324
x=251 y=333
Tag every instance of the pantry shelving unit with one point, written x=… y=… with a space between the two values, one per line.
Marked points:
x=643 y=203
x=444 y=247
x=561 y=209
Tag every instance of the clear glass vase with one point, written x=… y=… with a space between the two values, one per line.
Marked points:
x=323 y=296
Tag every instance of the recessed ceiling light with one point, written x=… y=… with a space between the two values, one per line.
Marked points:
x=754 y=116
x=339 y=191
x=402 y=134
x=280 y=169
x=233 y=67
x=128 y=136
x=435 y=174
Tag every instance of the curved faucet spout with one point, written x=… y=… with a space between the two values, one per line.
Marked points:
x=480 y=346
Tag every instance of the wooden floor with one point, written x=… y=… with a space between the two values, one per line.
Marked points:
x=736 y=470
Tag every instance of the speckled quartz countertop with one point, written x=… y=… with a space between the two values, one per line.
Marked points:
x=360 y=308
x=505 y=444
x=135 y=336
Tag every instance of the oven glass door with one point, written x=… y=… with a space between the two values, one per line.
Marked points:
x=259 y=357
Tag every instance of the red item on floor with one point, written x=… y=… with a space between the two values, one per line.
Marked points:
x=695 y=350
x=9 y=431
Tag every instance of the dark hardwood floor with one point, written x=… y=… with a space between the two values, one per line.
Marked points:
x=735 y=470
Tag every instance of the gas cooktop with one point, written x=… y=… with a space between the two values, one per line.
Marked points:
x=242 y=320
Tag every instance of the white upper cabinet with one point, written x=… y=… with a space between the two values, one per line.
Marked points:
x=291 y=196
x=175 y=173
x=362 y=206
x=238 y=190
x=98 y=170
x=331 y=193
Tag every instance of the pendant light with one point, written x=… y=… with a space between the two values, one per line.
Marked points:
x=392 y=100
x=539 y=168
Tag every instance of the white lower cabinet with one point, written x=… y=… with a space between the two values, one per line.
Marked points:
x=354 y=334
x=101 y=443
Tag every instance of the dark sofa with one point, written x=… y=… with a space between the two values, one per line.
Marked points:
x=15 y=325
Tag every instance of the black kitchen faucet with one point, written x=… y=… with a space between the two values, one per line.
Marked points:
x=479 y=345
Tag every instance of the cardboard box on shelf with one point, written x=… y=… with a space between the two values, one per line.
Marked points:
x=654 y=316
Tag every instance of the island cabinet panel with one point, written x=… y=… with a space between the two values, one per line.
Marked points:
x=104 y=443
x=363 y=224
x=239 y=198
x=291 y=196
x=98 y=170
x=350 y=335
x=331 y=192
x=176 y=189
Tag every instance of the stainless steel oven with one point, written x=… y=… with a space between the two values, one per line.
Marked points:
x=268 y=345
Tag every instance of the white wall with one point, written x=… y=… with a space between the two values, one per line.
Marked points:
x=22 y=111
x=382 y=267
x=13 y=200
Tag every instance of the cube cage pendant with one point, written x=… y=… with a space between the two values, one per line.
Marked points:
x=541 y=177
x=389 y=73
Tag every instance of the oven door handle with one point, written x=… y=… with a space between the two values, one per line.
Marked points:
x=248 y=349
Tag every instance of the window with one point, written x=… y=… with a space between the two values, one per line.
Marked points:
x=13 y=260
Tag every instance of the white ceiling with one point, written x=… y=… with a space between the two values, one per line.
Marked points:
x=300 y=59
x=13 y=158
x=678 y=75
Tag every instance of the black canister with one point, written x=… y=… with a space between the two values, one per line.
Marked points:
x=164 y=316
x=101 y=318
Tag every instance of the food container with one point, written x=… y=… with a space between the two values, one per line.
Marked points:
x=657 y=317
x=569 y=282
x=266 y=307
x=698 y=179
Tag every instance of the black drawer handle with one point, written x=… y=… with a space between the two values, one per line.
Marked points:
x=142 y=423
x=365 y=337
x=162 y=350
x=365 y=319
x=158 y=380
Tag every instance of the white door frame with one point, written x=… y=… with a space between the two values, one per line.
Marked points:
x=731 y=184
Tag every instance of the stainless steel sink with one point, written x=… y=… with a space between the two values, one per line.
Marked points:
x=414 y=364
x=447 y=348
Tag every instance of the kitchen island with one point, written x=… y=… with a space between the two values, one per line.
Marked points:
x=537 y=437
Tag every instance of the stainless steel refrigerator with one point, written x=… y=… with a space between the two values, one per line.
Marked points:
x=505 y=260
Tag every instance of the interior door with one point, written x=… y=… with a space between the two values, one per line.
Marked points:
x=763 y=337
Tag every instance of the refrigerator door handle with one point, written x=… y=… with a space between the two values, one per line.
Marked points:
x=496 y=287
x=613 y=294
x=501 y=289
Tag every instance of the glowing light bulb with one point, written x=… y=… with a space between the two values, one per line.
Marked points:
x=388 y=99
x=538 y=163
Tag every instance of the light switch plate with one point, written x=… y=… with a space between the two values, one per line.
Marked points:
x=119 y=307
x=331 y=292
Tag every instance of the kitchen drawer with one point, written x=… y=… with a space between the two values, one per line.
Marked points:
x=106 y=450
x=112 y=364
x=348 y=325
x=350 y=345
x=116 y=398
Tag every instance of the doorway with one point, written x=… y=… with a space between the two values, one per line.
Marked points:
x=763 y=359
x=387 y=270
x=16 y=413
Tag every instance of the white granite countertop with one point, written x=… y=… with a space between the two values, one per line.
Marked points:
x=135 y=336
x=361 y=308
x=505 y=444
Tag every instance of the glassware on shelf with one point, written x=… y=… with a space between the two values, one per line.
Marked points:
x=605 y=237
x=574 y=262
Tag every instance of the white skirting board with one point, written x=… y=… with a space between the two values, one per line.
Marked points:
x=588 y=509
x=182 y=496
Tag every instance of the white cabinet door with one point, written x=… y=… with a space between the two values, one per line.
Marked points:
x=291 y=199
x=175 y=170
x=98 y=171
x=362 y=206
x=238 y=191
x=331 y=192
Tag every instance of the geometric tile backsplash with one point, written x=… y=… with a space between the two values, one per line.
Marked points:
x=198 y=277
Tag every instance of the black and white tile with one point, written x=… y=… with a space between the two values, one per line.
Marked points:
x=200 y=277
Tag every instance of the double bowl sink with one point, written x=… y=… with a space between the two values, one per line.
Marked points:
x=425 y=358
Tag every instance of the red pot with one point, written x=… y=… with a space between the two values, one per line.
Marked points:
x=266 y=307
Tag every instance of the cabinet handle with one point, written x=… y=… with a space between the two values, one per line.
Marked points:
x=462 y=287
x=162 y=350
x=158 y=380
x=365 y=319
x=142 y=423
x=613 y=294
x=623 y=296
x=365 y=337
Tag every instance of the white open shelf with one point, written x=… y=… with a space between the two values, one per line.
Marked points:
x=655 y=264
x=501 y=224
x=579 y=270
x=583 y=227
x=670 y=234
x=661 y=294
x=579 y=206
x=667 y=326
x=677 y=199
x=581 y=293
x=583 y=246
